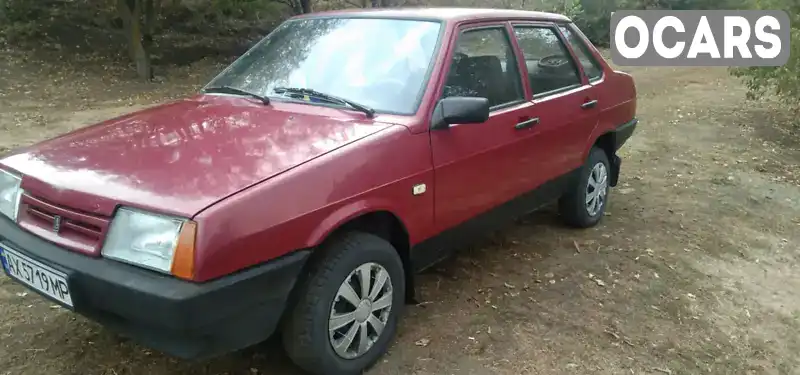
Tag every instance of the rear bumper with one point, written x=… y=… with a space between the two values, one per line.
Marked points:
x=623 y=132
x=620 y=135
x=180 y=318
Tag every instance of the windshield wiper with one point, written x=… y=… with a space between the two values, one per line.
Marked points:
x=311 y=92
x=235 y=91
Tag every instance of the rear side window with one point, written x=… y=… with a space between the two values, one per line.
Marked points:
x=483 y=65
x=585 y=58
x=550 y=66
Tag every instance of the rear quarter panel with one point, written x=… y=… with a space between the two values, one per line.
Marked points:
x=617 y=98
x=300 y=207
x=620 y=92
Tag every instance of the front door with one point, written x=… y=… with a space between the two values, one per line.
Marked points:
x=477 y=165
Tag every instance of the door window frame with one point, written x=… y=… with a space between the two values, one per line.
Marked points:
x=570 y=54
x=581 y=39
x=505 y=28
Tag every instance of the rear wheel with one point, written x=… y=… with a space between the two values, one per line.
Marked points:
x=585 y=203
x=349 y=305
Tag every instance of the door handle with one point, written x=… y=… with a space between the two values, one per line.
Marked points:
x=589 y=104
x=527 y=123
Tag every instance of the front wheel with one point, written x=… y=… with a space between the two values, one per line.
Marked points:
x=584 y=204
x=348 y=309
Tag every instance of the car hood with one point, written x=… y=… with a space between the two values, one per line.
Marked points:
x=182 y=157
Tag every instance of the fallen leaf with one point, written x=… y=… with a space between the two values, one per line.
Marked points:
x=422 y=342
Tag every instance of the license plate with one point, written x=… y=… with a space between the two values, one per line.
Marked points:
x=36 y=275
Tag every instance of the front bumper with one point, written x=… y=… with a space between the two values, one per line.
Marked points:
x=180 y=318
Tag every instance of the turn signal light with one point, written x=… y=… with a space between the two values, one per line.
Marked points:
x=183 y=260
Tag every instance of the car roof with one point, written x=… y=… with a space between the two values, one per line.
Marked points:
x=441 y=14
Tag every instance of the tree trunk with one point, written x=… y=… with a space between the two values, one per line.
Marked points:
x=297 y=6
x=150 y=12
x=138 y=39
x=126 y=16
x=305 y=6
x=141 y=56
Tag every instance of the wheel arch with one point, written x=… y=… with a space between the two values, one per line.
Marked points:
x=607 y=142
x=369 y=217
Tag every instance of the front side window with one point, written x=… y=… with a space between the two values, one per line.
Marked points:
x=550 y=66
x=585 y=58
x=484 y=66
x=380 y=63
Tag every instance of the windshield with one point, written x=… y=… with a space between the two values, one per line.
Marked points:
x=379 y=63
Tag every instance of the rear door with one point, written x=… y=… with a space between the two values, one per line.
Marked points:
x=595 y=74
x=563 y=99
x=477 y=166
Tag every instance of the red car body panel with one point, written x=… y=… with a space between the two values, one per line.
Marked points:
x=182 y=157
x=378 y=175
x=264 y=180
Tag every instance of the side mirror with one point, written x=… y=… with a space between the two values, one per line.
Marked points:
x=459 y=110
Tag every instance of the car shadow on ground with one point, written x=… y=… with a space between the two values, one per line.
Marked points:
x=446 y=278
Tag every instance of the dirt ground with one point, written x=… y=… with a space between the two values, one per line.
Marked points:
x=694 y=270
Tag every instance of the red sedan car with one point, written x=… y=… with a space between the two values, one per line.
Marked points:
x=301 y=190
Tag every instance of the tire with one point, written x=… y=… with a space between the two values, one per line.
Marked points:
x=575 y=206
x=305 y=332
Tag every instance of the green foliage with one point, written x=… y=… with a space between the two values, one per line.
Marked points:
x=30 y=19
x=15 y=18
x=683 y=4
x=243 y=9
x=594 y=16
x=201 y=15
x=785 y=80
x=17 y=10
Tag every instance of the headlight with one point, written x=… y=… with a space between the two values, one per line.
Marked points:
x=9 y=194
x=161 y=243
